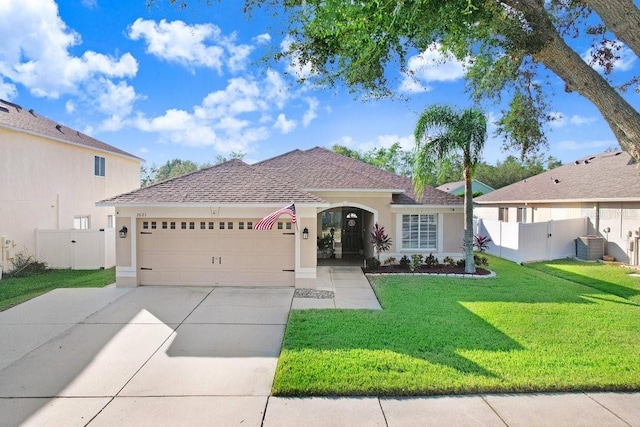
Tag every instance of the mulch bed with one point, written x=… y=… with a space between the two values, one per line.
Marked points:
x=440 y=269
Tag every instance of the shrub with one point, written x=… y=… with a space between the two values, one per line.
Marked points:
x=25 y=265
x=431 y=261
x=460 y=263
x=449 y=261
x=405 y=262
x=373 y=263
x=390 y=261
x=481 y=243
x=380 y=239
x=416 y=261
x=481 y=261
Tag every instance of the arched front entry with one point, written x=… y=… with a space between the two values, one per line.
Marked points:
x=343 y=231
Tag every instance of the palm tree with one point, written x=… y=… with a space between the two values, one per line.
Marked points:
x=442 y=134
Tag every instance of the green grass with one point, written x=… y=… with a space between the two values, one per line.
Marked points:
x=14 y=291
x=524 y=330
x=609 y=278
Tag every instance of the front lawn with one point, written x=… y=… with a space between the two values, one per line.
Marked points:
x=525 y=330
x=14 y=291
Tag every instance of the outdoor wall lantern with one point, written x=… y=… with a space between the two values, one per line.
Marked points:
x=305 y=233
x=123 y=232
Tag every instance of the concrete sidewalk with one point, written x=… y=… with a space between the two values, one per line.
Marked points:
x=515 y=410
x=163 y=356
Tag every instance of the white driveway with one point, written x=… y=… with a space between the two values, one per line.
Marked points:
x=182 y=356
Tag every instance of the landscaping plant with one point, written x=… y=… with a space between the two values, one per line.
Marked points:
x=380 y=240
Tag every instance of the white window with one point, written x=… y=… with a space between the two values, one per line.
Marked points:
x=503 y=214
x=98 y=166
x=420 y=231
x=522 y=215
x=111 y=221
x=81 y=222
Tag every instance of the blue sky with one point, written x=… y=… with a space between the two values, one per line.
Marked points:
x=162 y=83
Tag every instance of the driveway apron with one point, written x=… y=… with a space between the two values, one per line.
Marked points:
x=136 y=357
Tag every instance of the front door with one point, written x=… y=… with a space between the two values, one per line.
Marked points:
x=352 y=242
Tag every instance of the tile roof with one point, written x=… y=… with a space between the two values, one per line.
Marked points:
x=13 y=116
x=319 y=168
x=289 y=177
x=230 y=182
x=604 y=177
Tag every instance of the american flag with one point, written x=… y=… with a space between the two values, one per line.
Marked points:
x=267 y=222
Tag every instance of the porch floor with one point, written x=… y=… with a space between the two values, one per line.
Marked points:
x=346 y=260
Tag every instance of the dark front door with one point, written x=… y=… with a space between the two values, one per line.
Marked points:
x=352 y=242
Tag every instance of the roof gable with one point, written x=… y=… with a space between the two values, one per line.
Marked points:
x=603 y=177
x=228 y=183
x=13 y=116
x=322 y=169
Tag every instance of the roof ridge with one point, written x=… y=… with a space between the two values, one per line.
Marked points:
x=279 y=155
x=359 y=162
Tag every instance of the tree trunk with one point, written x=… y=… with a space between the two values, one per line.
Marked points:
x=622 y=118
x=469 y=265
x=622 y=18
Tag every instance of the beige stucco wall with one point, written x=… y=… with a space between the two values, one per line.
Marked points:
x=127 y=273
x=450 y=231
x=46 y=183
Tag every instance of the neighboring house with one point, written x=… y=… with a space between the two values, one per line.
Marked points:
x=198 y=229
x=604 y=189
x=457 y=188
x=51 y=178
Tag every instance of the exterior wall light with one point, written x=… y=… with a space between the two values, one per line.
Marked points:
x=123 y=232
x=305 y=233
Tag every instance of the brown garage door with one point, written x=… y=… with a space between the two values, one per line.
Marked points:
x=224 y=252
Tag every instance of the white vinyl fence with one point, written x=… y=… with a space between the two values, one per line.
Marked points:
x=77 y=249
x=538 y=241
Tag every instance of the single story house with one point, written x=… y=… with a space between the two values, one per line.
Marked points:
x=51 y=177
x=604 y=189
x=457 y=188
x=199 y=229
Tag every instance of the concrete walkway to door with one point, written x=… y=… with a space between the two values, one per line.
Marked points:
x=349 y=285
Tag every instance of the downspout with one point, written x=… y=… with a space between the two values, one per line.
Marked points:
x=597 y=219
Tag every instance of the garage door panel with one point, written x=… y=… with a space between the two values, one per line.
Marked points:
x=208 y=278
x=225 y=257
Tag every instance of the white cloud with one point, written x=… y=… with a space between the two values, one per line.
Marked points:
x=295 y=66
x=626 y=57
x=432 y=65
x=311 y=112
x=381 y=141
x=70 y=107
x=230 y=119
x=90 y=4
x=558 y=119
x=116 y=101
x=199 y=45
x=8 y=91
x=262 y=38
x=581 y=120
x=38 y=56
x=283 y=125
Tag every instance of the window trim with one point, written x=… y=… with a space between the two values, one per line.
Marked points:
x=83 y=220
x=99 y=166
x=438 y=232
